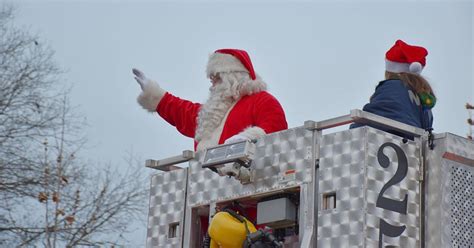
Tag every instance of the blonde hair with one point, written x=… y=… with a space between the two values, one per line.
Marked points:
x=418 y=83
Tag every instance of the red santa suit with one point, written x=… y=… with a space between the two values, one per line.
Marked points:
x=252 y=113
x=251 y=116
x=247 y=110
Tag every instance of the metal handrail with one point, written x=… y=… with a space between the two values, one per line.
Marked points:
x=167 y=164
x=362 y=117
x=355 y=116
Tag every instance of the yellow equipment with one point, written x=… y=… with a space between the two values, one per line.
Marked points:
x=229 y=230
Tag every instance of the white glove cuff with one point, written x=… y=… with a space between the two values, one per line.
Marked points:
x=252 y=133
x=151 y=96
x=249 y=133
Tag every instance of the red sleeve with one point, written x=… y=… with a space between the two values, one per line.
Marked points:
x=180 y=113
x=269 y=114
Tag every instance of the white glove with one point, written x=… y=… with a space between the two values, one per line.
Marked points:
x=229 y=169
x=142 y=80
x=151 y=92
x=235 y=138
x=235 y=170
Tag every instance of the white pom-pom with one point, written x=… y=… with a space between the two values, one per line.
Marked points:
x=415 y=67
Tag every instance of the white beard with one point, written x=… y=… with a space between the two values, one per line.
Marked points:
x=222 y=97
x=213 y=111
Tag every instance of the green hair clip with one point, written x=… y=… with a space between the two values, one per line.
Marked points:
x=427 y=100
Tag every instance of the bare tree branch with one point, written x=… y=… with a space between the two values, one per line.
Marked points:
x=48 y=196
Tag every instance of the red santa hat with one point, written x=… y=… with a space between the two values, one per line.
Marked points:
x=405 y=58
x=230 y=60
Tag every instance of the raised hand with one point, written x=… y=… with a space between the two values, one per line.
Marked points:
x=142 y=80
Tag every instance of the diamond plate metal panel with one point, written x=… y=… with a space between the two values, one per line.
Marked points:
x=276 y=153
x=341 y=170
x=449 y=193
x=433 y=195
x=350 y=169
x=167 y=206
x=377 y=177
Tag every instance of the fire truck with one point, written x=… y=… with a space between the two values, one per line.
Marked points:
x=310 y=187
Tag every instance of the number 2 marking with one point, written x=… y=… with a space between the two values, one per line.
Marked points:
x=387 y=203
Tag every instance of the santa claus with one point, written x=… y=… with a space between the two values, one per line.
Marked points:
x=238 y=107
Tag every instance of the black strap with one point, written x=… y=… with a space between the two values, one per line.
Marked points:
x=430 y=138
x=207 y=241
x=239 y=218
x=424 y=123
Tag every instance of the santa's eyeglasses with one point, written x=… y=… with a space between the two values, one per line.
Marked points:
x=215 y=78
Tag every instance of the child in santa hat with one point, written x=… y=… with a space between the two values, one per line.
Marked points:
x=404 y=95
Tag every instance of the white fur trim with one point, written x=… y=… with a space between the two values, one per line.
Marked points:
x=415 y=67
x=207 y=142
x=223 y=97
x=252 y=132
x=151 y=95
x=213 y=137
x=397 y=67
x=220 y=62
x=252 y=86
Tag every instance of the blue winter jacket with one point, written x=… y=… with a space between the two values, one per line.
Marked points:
x=395 y=100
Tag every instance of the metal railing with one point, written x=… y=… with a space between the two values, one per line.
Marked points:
x=362 y=117
x=355 y=116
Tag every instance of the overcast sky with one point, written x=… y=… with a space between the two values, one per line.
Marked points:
x=320 y=59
